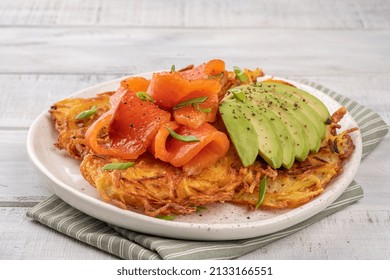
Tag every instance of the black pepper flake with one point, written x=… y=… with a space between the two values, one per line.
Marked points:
x=335 y=148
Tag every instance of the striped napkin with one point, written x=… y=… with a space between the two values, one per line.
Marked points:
x=126 y=244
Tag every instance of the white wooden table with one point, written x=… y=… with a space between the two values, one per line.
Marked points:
x=51 y=48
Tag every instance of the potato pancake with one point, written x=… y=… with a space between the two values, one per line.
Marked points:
x=157 y=188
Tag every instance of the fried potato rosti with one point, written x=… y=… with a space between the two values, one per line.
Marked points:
x=156 y=188
x=71 y=131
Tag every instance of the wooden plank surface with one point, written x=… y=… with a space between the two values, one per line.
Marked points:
x=312 y=14
x=24 y=97
x=128 y=50
x=363 y=236
x=20 y=184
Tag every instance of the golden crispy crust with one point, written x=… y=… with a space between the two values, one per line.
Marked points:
x=158 y=188
x=71 y=131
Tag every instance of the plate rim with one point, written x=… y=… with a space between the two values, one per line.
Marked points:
x=177 y=229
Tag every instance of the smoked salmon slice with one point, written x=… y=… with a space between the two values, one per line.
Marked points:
x=193 y=157
x=132 y=126
x=134 y=84
x=214 y=67
x=169 y=89
x=204 y=71
x=195 y=115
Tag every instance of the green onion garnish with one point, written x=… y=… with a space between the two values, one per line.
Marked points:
x=144 y=96
x=205 y=110
x=218 y=76
x=167 y=217
x=201 y=208
x=173 y=68
x=194 y=102
x=190 y=102
x=117 y=165
x=183 y=138
x=238 y=94
x=262 y=186
x=240 y=74
x=86 y=114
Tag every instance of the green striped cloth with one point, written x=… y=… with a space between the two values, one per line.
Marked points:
x=126 y=244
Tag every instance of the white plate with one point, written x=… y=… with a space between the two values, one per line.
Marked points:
x=218 y=222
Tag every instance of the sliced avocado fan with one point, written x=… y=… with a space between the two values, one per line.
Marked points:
x=277 y=122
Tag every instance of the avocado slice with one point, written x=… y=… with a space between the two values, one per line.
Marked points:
x=282 y=134
x=309 y=99
x=309 y=129
x=314 y=128
x=311 y=116
x=241 y=131
x=251 y=136
x=298 y=104
x=298 y=135
x=312 y=134
x=275 y=142
x=270 y=147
